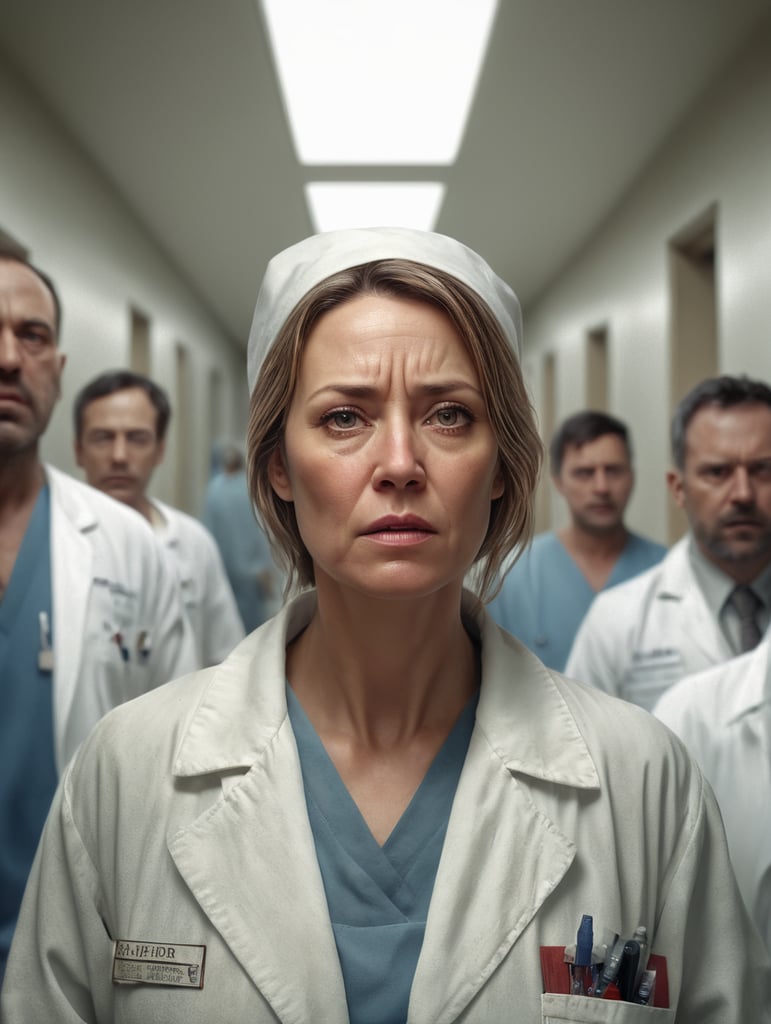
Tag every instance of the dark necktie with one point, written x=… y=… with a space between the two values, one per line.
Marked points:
x=747 y=603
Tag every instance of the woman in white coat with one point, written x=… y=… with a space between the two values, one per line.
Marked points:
x=381 y=807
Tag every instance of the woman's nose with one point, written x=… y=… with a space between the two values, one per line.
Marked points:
x=399 y=461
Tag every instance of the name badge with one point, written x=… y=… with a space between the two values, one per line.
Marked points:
x=136 y=962
x=656 y=658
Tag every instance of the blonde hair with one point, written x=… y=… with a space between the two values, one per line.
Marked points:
x=508 y=406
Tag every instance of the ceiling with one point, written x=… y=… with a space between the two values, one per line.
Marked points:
x=177 y=102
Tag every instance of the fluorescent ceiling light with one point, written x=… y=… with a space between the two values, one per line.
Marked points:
x=334 y=205
x=374 y=82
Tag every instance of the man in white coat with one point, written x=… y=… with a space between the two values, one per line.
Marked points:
x=724 y=717
x=90 y=615
x=709 y=599
x=121 y=418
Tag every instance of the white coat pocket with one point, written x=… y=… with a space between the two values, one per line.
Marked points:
x=111 y=624
x=561 y=1009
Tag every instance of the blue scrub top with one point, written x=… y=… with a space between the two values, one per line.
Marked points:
x=545 y=596
x=27 y=768
x=378 y=897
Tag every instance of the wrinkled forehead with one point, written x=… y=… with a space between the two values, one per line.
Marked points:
x=716 y=427
x=371 y=339
x=294 y=272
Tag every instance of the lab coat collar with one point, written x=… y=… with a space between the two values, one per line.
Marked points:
x=747 y=684
x=524 y=727
x=167 y=527
x=676 y=572
x=521 y=710
x=678 y=583
x=244 y=705
x=72 y=517
x=70 y=500
x=523 y=714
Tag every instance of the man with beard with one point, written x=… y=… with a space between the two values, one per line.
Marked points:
x=90 y=616
x=709 y=599
x=548 y=591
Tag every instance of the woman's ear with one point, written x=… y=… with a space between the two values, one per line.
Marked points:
x=278 y=475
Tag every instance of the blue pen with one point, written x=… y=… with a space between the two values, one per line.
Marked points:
x=581 y=971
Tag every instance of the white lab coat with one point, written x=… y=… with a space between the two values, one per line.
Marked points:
x=724 y=717
x=644 y=635
x=183 y=819
x=206 y=592
x=108 y=577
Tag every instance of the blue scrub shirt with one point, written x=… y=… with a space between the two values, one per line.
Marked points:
x=27 y=768
x=378 y=897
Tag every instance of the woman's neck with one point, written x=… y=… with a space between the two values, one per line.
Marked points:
x=383 y=670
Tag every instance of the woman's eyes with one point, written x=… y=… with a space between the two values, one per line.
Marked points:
x=447 y=417
x=341 y=419
x=451 y=416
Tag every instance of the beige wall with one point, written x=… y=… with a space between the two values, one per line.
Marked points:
x=59 y=206
x=721 y=155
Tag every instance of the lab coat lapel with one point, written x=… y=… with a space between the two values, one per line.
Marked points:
x=251 y=866
x=678 y=584
x=500 y=862
x=250 y=861
x=502 y=856
x=743 y=714
x=72 y=575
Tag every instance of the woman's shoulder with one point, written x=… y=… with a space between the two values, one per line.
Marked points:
x=624 y=738
x=617 y=734
x=152 y=721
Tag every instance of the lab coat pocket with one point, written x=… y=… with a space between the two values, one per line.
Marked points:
x=561 y=1009
x=111 y=625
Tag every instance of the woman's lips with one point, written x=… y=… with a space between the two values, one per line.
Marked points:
x=400 y=530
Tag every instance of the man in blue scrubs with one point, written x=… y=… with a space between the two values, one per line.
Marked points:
x=547 y=593
x=89 y=614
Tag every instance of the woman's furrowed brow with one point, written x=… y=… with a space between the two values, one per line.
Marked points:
x=363 y=391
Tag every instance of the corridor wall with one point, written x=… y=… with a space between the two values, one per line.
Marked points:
x=58 y=204
x=719 y=159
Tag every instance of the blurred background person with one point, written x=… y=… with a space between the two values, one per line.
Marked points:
x=710 y=597
x=229 y=515
x=547 y=592
x=121 y=418
x=90 y=614
x=724 y=717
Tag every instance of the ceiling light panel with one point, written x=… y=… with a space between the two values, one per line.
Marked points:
x=368 y=82
x=336 y=205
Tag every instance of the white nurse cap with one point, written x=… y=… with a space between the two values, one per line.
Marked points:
x=292 y=273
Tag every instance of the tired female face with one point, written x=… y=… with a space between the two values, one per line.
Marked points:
x=388 y=454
